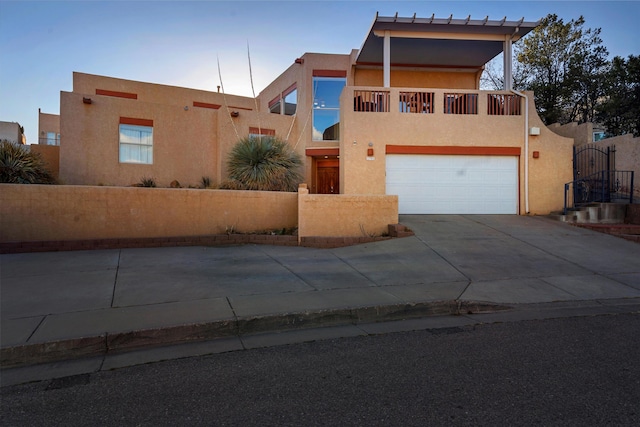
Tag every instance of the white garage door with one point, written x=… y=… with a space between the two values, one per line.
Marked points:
x=453 y=184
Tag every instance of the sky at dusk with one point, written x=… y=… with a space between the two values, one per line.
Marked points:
x=179 y=43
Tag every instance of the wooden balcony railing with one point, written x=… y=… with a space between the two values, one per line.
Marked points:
x=416 y=102
x=499 y=104
x=424 y=102
x=461 y=103
x=367 y=100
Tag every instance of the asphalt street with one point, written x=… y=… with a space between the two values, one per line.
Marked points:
x=571 y=371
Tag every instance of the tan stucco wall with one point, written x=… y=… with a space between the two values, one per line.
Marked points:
x=50 y=154
x=550 y=171
x=11 y=132
x=189 y=142
x=404 y=78
x=183 y=142
x=360 y=175
x=396 y=128
x=302 y=75
x=345 y=215
x=627 y=156
x=47 y=123
x=580 y=133
x=56 y=212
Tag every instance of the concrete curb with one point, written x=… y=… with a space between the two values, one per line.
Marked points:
x=120 y=342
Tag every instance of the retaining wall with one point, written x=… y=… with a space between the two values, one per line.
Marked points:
x=61 y=217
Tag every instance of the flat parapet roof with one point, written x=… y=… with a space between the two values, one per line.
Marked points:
x=439 y=42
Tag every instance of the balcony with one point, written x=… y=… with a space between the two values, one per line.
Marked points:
x=433 y=101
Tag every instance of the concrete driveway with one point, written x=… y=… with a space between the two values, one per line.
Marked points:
x=101 y=301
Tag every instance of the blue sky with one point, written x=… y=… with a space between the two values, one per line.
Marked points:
x=178 y=43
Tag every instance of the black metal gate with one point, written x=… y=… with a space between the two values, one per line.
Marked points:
x=592 y=167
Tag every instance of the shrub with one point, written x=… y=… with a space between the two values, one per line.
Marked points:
x=205 y=182
x=19 y=166
x=265 y=164
x=147 y=182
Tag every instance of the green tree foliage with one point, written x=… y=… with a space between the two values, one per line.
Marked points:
x=620 y=110
x=263 y=163
x=19 y=166
x=566 y=65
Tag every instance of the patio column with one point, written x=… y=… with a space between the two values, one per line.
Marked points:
x=386 y=59
x=508 y=63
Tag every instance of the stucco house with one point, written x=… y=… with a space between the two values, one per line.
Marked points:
x=403 y=115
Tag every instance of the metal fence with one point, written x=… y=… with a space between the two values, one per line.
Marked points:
x=600 y=187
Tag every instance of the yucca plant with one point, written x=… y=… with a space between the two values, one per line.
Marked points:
x=265 y=164
x=148 y=182
x=19 y=166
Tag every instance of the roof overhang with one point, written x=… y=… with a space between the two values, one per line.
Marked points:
x=439 y=43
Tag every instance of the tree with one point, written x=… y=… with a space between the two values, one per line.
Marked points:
x=620 y=111
x=566 y=65
x=493 y=76
x=19 y=166
x=263 y=163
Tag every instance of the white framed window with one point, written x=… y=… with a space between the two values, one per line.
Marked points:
x=136 y=141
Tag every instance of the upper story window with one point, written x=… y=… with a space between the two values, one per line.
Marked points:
x=53 y=138
x=327 y=87
x=136 y=141
x=285 y=103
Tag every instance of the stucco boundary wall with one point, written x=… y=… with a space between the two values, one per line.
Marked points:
x=348 y=215
x=36 y=218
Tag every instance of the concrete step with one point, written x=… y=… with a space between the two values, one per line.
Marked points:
x=596 y=213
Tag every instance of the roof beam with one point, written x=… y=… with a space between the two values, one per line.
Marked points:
x=439 y=35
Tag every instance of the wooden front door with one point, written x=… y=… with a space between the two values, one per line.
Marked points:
x=328 y=180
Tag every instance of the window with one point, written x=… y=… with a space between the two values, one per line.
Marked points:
x=136 y=141
x=275 y=105
x=53 y=138
x=326 y=107
x=598 y=135
x=290 y=101
x=255 y=132
x=285 y=103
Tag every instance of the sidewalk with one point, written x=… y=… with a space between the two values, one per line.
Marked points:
x=65 y=305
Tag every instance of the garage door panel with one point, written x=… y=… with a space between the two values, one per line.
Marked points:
x=452 y=184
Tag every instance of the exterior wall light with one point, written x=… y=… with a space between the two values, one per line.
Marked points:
x=234 y=114
x=534 y=131
x=86 y=100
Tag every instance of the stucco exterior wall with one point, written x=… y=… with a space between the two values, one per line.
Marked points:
x=627 y=156
x=50 y=154
x=416 y=79
x=301 y=74
x=33 y=213
x=56 y=212
x=47 y=123
x=550 y=171
x=191 y=139
x=344 y=215
x=11 y=132
x=363 y=174
x=580 y=133
x=183 y=142
x=396 y=128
